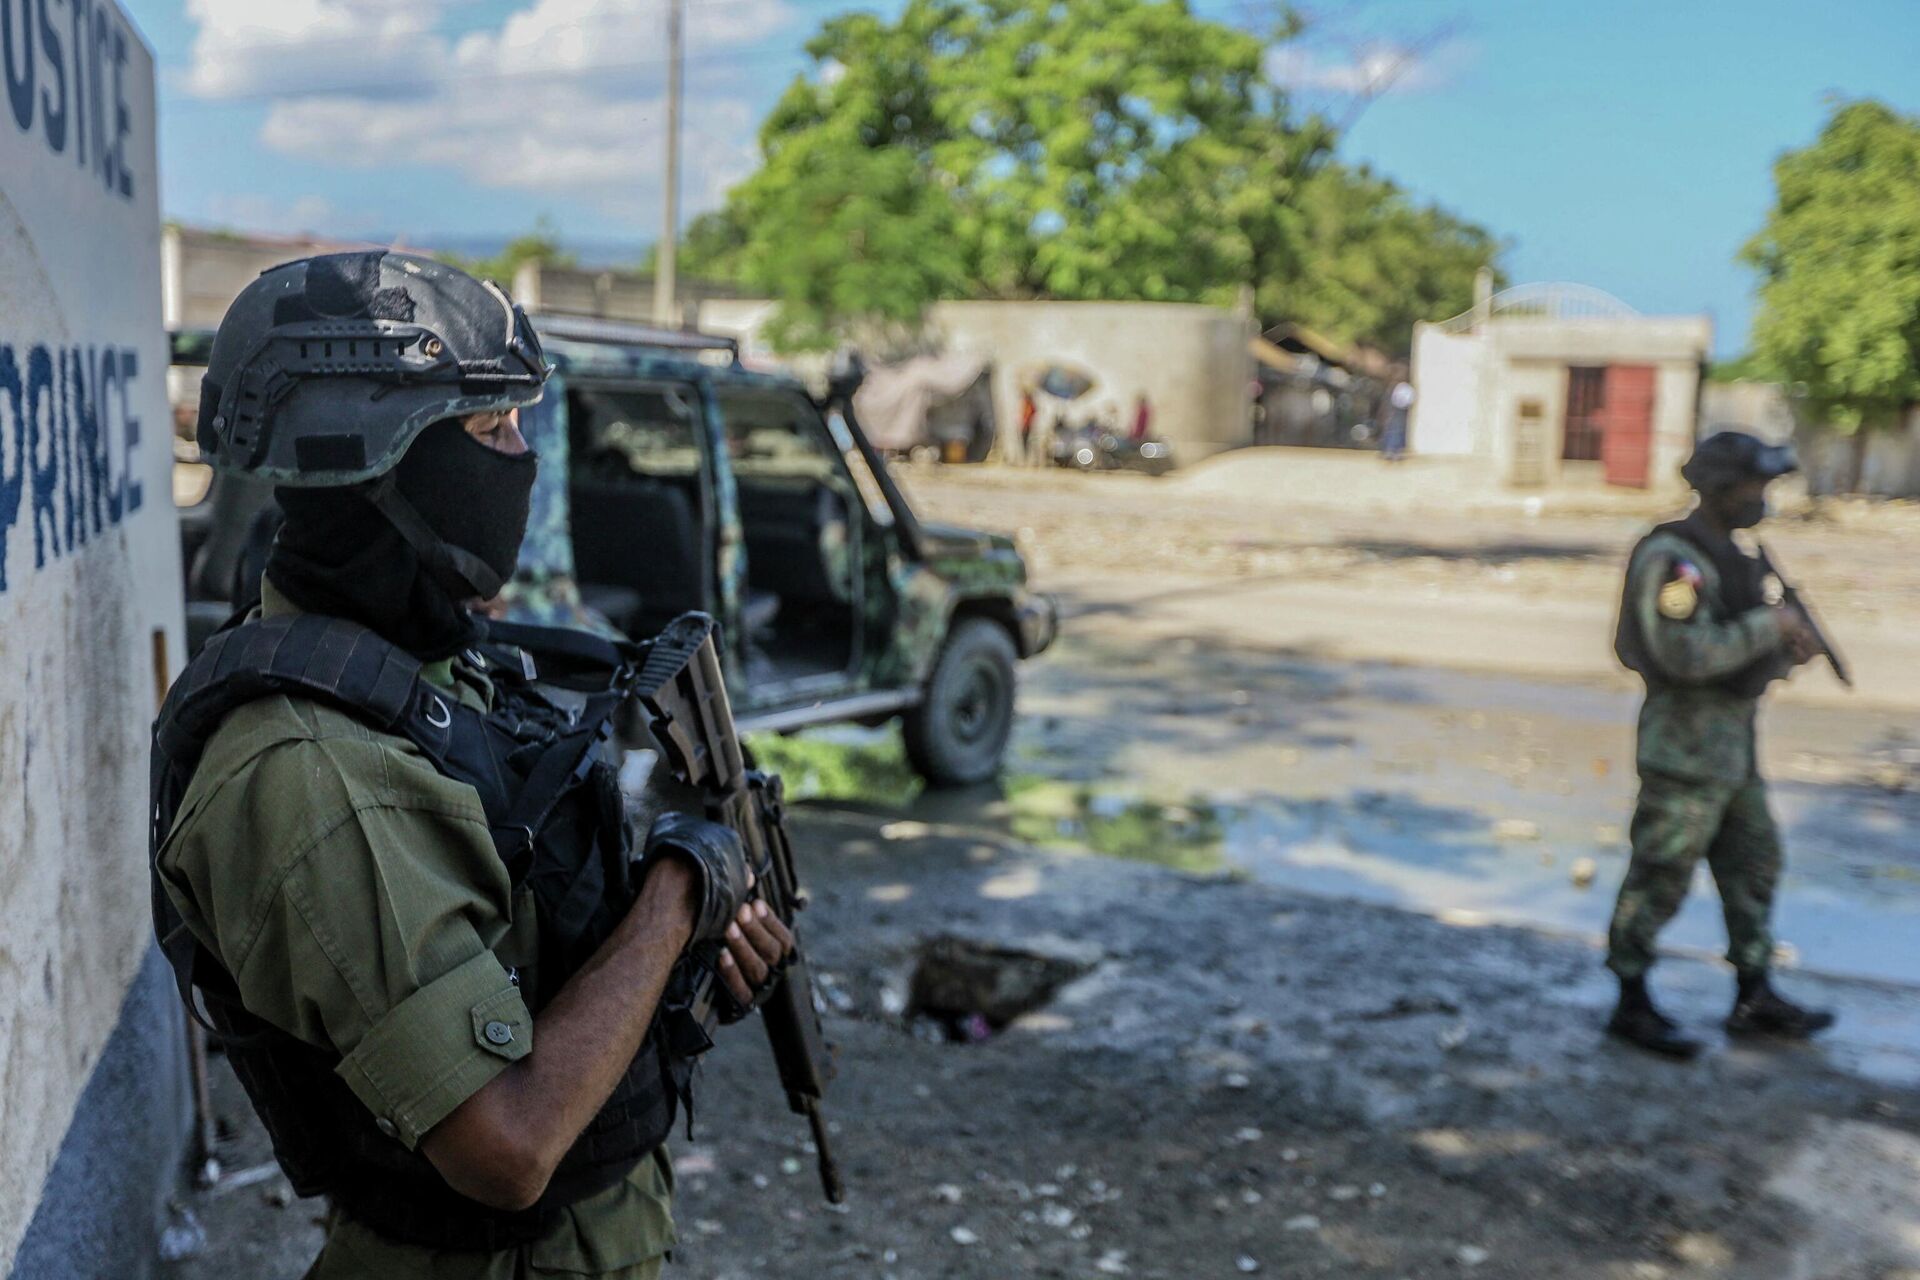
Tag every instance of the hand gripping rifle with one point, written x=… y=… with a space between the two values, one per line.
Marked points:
x=679 y=685
x=1790 y=596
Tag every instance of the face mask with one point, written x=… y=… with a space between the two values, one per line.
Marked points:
x=1745 y=515
x=474 y=497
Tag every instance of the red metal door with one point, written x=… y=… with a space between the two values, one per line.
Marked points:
x=1626 y=445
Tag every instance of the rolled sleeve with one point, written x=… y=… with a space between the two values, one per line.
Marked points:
x=436 y=1048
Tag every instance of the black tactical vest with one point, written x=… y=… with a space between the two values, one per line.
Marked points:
x=1742 y=587
x=543 y=768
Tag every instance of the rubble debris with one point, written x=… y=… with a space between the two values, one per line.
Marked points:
x=974 y=988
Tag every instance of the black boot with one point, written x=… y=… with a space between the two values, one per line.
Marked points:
x=1759 y=1010
x=1636 y=1021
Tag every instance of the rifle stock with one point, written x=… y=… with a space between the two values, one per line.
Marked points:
x=681 y=688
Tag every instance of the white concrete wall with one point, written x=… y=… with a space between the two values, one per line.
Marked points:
x=1626 y=340
x=1888 y=461
x=1676 y=422
x=1471 y=388
x=1760 y=407
x=1447 y=372
x=90 y=603
x=1191 y=361
x=206 y=270
x=1518 y=386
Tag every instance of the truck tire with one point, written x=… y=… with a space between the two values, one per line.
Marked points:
x=957 y=736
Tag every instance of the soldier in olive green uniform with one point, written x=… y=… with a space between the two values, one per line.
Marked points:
x=1697 y=625
x=341 y=894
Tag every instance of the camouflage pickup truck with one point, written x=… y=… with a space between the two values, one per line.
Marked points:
x=674 y=479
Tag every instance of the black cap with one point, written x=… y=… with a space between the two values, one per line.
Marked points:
x=1727 y=457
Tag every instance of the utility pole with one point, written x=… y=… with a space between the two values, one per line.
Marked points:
x=665 y=287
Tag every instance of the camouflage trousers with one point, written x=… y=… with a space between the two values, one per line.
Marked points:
x=1677 y=822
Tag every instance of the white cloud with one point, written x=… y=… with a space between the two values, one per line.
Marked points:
x=246 y=47
x=1372 y=68
x=564 y=97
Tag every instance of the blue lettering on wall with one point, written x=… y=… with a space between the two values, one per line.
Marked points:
x=69 y=446
x=69 y=83
x=80 y=42
x=16 y=42
x=43 y=455
x=13 y=450
x=53 y=99
x=129 y=429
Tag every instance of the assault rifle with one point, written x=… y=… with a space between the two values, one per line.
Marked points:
x=680 y=687
x=1790 y=597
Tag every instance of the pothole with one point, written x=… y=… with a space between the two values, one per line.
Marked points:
x=967 y=989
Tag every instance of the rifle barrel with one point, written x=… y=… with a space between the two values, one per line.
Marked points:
x=829 y=1168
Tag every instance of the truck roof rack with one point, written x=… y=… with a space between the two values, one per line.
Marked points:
x=628 y=333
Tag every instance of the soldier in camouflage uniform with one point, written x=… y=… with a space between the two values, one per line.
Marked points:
x=1696 y=623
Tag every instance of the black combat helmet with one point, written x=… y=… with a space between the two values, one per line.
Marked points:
x=1728 y=456
x=324 y=370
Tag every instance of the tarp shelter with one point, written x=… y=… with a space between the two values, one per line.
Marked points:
x=939 y=401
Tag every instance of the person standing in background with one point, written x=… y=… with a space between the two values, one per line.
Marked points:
x=1028 y=412
x=1142 y=419
x=1393 y=437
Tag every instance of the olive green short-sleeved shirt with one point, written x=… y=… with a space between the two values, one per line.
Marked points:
x=354 y=894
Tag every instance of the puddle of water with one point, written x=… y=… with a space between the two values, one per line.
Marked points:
x=1452 y=811
x=868 y=769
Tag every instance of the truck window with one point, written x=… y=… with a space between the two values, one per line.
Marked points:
x=775 y=436
x=637 y=503
x=648 y=431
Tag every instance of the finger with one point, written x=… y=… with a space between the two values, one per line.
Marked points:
x=765 y=945
x=776 y=927
x=730 y=975
x=746 y=955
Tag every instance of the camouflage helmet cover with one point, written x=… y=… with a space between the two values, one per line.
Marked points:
x=325 y=369
x=1729 y=455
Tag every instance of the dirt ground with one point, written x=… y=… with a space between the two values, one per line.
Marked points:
x=1361 y=767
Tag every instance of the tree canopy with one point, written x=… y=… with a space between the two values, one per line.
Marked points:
x=541 y=244
x=1839 y=260
x=1099 y=149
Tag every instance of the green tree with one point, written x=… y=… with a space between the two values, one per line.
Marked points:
x=1373 y=261
x=1839 y=261
x=541 y=244
x=709 y=247
x=1069 y=149
x=999 y=148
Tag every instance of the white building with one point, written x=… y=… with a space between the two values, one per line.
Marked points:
x=1561 y=384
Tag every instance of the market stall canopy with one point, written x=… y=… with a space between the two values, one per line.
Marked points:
x=1275 y=358
x=896 y=401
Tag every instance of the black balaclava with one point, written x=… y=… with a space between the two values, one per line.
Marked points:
x=1745 y=515
x=339 y=555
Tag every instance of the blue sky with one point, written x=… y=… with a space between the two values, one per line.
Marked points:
x=1625 y=145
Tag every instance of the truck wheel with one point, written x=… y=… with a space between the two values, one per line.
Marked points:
x=957 y=735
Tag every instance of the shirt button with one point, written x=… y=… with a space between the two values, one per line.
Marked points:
x=499 y=1033
x=385 y=1126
